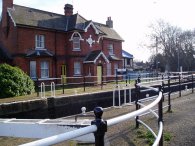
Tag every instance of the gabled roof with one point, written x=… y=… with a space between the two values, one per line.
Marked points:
x=93 y=56
x=25 y=16
x=110 y=32
x=125 y=54
x=113 y=58
x=40 y=53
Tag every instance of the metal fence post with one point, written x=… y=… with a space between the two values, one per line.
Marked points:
x=179 y=85
x=84 y=83
x=116 y=78
x=102 y=82
x=126 y=78
x=63 y=84
x=139 y=79
x=101 y=126
x=136 y=101
x=192 y=83
x=163 y=87
x=160 y=113
x=169 y=95
x=37 y=86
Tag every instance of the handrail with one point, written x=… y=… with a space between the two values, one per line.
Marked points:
x=42 y=90
x=152 y=88
x=63 y=137
x=148 y=128
x=152 y=111
x=156 y=142
x=133 y=114
x=89 y=129
x=93 y=128
x=53 y=91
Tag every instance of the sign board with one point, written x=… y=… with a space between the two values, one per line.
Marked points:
x=121 y=71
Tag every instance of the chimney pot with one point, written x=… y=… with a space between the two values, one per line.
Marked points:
x=68 y=9
x=109 y=22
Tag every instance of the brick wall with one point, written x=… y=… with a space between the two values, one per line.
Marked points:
x=20 y=40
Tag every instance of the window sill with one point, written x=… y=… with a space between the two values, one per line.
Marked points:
x=77 y=75
x=40 y=49
x=76 y=50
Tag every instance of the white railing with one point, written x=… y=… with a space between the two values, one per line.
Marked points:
x=42 y=90
x=53 y=90
x=63 y=137
x=119 y=88
x=93 y=128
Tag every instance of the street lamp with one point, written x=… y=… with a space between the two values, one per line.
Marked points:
x=178 y=60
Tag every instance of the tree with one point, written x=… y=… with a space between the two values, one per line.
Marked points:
x=158 y=62
x=14 y=82
x=175 y=46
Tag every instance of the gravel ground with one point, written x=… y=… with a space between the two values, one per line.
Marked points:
x=180 y=123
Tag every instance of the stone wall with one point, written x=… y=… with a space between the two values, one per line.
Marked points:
x=56 y=107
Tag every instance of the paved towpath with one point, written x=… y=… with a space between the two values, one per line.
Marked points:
x=180 y=124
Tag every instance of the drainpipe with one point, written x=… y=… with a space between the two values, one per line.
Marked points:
x=55 y=58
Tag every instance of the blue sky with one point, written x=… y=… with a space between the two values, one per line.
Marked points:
x=131 y=17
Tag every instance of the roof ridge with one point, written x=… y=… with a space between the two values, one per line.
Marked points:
x=39 y=10
x=80 y=16
x=97 y=23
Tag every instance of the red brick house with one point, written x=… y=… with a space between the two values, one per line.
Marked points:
x=48 y=45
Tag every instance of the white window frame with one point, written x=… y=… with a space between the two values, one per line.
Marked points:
x=33 y=68
x=111 y=49
x=44 y=69
x=109 y=69
x=77 y=68
x=39 y=41
x=76 y=43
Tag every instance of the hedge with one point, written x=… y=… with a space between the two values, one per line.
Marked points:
x=14 y=82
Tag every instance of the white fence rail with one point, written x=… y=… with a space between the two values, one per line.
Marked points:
x=93 y=128
x=139 y=112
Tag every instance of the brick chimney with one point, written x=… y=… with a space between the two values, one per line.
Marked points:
x=6 y=4
x=109 y=22
x=68 y=9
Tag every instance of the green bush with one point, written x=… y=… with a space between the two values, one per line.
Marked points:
x=14 y=82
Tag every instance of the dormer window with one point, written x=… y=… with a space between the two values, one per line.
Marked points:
x=76 y=43
x=110 y=49
x=39 y=41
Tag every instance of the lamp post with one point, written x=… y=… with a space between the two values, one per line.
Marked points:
x=178 y=60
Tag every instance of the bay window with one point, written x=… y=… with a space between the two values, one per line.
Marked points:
x=33 y=69
x=44 y=69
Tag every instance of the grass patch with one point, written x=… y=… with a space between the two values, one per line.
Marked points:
x=167 y=136
x=147 y=135
x=149 y=138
